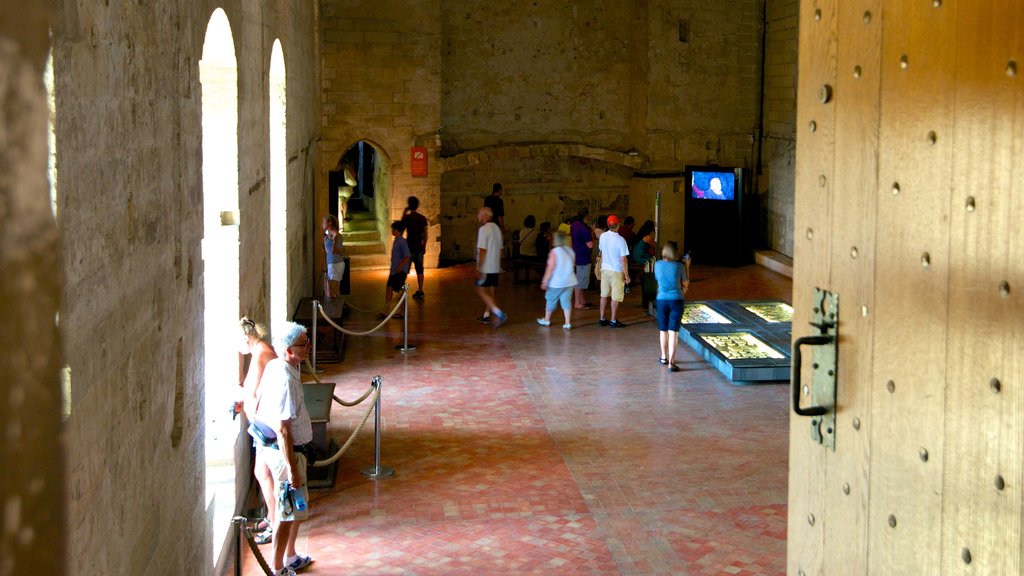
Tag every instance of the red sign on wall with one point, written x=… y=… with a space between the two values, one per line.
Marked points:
x=419 y=161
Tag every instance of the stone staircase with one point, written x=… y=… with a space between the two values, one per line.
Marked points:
x=363 y=243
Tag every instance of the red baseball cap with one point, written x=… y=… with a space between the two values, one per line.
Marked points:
x=613 y=220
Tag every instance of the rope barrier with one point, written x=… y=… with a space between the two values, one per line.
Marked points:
x=346 y=302
x=247 y=534
x=373 y=387
x=405 y=294
x=355 y=402
x=366 y=416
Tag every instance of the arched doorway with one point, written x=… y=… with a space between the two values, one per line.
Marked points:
x=278 y=191
x=359 y=190
x=218 y=74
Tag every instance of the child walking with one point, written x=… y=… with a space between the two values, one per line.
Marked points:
x=401 y=257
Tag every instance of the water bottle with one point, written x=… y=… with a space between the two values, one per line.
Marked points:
x=299 y=498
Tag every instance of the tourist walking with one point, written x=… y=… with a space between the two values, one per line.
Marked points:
x=672 y=285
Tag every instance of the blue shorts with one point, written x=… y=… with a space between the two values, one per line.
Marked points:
x=670 y=314
x=554 y=296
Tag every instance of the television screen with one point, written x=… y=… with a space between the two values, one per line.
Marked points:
x=712 y=185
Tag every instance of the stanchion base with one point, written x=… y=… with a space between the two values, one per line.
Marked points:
x=406 y=348
x=375 y=472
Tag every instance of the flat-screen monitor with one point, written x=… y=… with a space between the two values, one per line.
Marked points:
x=713 y=183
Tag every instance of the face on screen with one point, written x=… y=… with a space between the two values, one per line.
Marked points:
x=714 y=185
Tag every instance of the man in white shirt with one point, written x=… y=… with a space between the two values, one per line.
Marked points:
x=614 y=270
x=488 y=266
x=281 y=406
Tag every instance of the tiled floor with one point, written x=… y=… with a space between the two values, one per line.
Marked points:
x=531 y=450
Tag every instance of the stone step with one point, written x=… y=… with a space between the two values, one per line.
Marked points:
x=361 y=236
x=370 y=261
x=368 y=247
x=360 y=225
x=775 y=261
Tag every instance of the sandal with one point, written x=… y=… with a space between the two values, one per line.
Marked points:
x=663 y=361
x=264 y=537
x=673 y=368
x=261 y=525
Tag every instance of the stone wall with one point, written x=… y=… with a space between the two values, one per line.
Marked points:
x=32 y=482
x=665 y=83
x=381 y=73
x=129 y=152
x=778 y=183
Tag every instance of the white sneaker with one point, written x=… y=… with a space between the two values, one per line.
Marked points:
x=543 y=322
x=566 y=326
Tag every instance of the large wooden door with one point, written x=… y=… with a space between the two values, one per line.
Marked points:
x=909 y=206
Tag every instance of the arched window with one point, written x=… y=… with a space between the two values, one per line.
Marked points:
x=278 y=191
x=218 y=74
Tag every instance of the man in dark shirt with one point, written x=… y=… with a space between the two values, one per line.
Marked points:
x=416 y=235
x=497 y=205
x=582 y=246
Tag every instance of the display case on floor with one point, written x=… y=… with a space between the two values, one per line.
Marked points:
x=748 y=341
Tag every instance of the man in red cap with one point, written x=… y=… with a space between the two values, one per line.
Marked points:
x=614 y=270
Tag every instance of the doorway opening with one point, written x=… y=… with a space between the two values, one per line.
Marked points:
x=278 y=191
x=358 y=194
x=218 y=74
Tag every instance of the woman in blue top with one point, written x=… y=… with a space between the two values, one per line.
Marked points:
x=672 y=284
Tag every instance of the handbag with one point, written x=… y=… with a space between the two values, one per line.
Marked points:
x=597 y=267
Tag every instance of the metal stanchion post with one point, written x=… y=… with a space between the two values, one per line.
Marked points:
x=405 y=347
x=377 y=471
x=240 y=522
x=316 y=309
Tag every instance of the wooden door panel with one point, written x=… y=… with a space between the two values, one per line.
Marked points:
x=910 y=206
x=816 y=152
x=911 y=259
x=981 y=518
x=852 y=277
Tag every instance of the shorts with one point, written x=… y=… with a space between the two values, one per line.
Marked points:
x=669 y=313
x=396 y=281
x=489 y=281
x=613 y=284
x=583 y=276
x=335 y=271
x=417 y=262
x=275 y=461
x=555 y=296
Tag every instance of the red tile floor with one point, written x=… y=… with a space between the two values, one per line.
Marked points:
x=532 y=450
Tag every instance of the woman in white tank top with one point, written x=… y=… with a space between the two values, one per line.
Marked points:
x=559 y=280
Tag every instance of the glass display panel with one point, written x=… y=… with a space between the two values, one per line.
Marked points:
x=772 y=311
x=702 y=314
x=740 y=346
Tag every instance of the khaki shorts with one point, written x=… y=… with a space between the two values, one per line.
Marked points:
x=275 y=460
x=613 y=284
